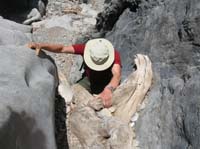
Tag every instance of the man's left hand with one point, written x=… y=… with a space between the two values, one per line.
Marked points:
x=106 y=96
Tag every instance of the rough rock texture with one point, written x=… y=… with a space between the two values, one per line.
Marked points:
x=27 y=99
x=61 y=7
x=14 y=26
x=168 y=32
x=16 y=34
x=112 y=11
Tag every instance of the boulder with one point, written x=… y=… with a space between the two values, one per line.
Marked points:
x=28 y=85
x=13 y=37
x=16 y=34
x=8 y=24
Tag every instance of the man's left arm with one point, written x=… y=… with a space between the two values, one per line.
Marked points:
x=116 y=72
x=106 y=94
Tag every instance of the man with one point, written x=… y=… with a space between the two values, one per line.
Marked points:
x=101 y=62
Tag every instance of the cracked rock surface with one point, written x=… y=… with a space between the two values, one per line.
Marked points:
x=168 y=32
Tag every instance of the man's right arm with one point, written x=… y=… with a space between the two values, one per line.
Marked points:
x=56 y=48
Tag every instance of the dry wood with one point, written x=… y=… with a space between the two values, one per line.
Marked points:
x=131 y=93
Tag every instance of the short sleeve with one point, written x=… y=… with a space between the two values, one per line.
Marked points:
x=117 y=58
x=79 y=48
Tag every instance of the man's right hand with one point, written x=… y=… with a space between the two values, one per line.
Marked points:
x=33 y=45
x=36 y=46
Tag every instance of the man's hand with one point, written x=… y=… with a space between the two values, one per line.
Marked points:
x=36 y=46
x=33 y=45
x=106 y=96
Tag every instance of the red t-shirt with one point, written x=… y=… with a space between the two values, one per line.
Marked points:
x=98 y=79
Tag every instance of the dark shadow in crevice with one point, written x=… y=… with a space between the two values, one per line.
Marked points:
x=60 y=123
x=107 y=19
x=20 y=132
x=17 y=10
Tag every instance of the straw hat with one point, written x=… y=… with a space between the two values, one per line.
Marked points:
x=99 y=54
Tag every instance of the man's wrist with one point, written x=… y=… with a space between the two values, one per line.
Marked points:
x=111 y=88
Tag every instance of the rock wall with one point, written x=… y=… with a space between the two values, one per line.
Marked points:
x=27 y=92
x=27 y=99
x=168 y=32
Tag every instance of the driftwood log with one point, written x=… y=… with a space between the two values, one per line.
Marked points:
x=90 y=126
x=131 y=93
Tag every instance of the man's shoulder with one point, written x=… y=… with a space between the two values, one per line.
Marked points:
x=79 y=48
x=117 y=58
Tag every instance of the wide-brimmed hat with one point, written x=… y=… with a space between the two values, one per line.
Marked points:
x=99 y=54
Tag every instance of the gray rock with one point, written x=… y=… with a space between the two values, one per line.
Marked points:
x=33 y=16
x=168 y=32
x=27 y=92
x=4 y=23
x=107 y=19
x=13 y=33
x=13 y=37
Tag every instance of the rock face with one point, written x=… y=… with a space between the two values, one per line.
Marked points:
x=16 y=34
x=168 y=32
x=27 y=93
x=27 y=99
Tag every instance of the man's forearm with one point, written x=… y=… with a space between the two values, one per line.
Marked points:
x=114 y=81
x=106 y=94
x=57 y=48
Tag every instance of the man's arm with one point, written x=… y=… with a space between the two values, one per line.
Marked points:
x=56 y=48
x=106 y=94
x=116 y=71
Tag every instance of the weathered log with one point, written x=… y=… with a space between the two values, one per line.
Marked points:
x=131 y=93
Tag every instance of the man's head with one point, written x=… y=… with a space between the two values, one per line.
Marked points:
x=99 y=54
